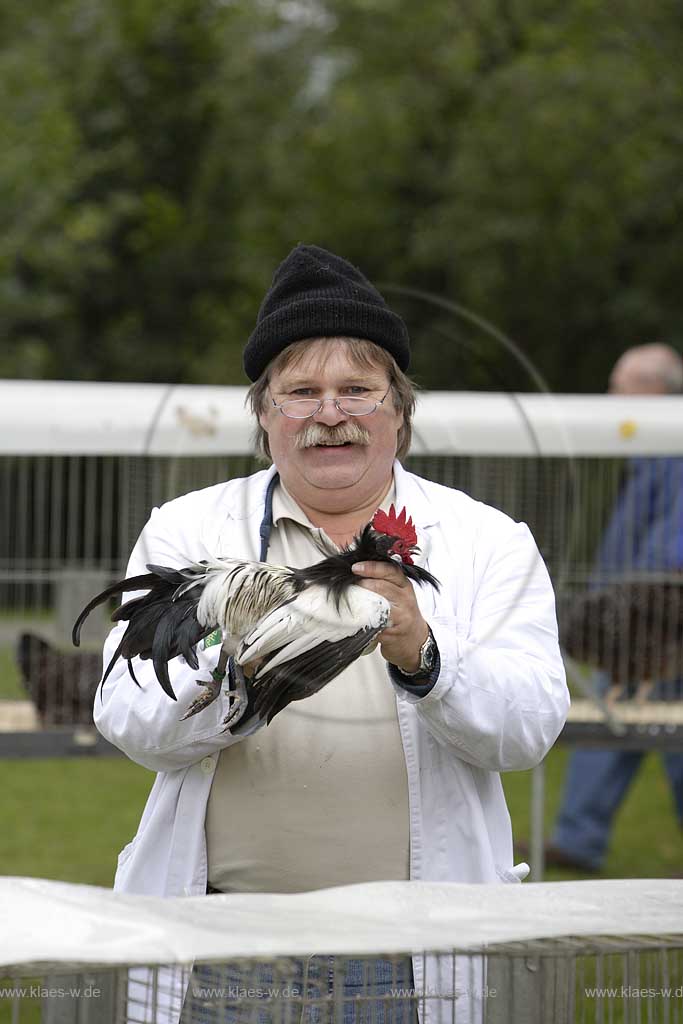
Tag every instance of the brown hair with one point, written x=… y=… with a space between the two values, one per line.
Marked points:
x=367 y=356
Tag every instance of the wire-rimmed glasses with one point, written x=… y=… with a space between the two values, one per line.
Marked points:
x=349 y=405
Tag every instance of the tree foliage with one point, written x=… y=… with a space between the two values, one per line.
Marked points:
x=518 y=158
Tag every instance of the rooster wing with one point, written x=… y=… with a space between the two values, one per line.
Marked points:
x=300 y=646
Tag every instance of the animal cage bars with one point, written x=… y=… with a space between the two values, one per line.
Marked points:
x=69 y=523
x=76 y=492
x=585 y=980
x=528 y=955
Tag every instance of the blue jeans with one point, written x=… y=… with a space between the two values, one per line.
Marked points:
x=314 y=990
x=595 y=785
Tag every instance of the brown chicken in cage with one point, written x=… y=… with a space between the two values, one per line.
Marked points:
x=62 y=685
x=633 y=631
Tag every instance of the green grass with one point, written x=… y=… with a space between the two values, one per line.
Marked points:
x=646 y=841
x=68 y=819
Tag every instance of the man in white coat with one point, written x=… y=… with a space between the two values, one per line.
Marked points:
x=392 y=770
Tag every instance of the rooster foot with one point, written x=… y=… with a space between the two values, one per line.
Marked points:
x=212 y=689
x=236 y=694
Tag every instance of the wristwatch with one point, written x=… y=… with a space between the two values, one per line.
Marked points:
x=427 y=658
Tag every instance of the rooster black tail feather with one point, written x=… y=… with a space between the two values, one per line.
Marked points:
x=165 y=644
x=121 y=587
x=132 y=674
x=160 y=624
x=421 y=576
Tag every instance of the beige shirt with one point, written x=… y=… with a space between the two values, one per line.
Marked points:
x=320 y=796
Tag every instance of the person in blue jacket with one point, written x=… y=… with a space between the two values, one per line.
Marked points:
x=644 y=533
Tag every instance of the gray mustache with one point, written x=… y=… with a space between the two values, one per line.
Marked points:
x=318 y=433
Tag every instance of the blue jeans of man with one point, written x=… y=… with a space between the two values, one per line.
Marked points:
x=595 y=785
x=312 y=990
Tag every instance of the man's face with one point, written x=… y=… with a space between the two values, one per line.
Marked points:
x=306 y=466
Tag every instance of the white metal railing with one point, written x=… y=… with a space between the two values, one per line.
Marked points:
x=81 y=418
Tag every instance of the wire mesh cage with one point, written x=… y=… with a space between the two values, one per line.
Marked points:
x=564 y=981
x=77 y=490
x=512 y=963
x=70 y=523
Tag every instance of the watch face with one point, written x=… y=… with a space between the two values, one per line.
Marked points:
x=428 y=654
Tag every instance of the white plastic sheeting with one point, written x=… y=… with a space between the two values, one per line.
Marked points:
x=47 y=922
x=57 y=417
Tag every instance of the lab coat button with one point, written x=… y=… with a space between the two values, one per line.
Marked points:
x=208 y=764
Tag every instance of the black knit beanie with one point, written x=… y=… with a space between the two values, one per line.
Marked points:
x=316 y=294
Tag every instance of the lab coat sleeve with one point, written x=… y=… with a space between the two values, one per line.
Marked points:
x=143 y=721
x=501 y=698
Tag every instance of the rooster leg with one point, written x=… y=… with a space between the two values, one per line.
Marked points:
x=212 y=687
x=237 y=695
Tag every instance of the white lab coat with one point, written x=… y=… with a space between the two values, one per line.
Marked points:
x=498 y=705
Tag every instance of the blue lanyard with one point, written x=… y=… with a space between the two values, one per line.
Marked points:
x=267 y=521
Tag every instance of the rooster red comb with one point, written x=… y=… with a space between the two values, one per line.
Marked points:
x=399 y=526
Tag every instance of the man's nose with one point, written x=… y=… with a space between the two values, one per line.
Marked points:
x=330 y=415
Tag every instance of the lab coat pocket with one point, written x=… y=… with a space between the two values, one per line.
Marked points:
x=126 y=852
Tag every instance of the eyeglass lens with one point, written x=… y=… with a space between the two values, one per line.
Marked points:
x=302 y=408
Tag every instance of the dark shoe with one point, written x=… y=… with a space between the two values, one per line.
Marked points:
x=557 y=858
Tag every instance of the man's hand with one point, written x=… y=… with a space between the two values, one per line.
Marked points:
x=400 y=642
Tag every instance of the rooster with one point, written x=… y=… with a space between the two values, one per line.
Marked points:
x=291 y=631
x=633 y=631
